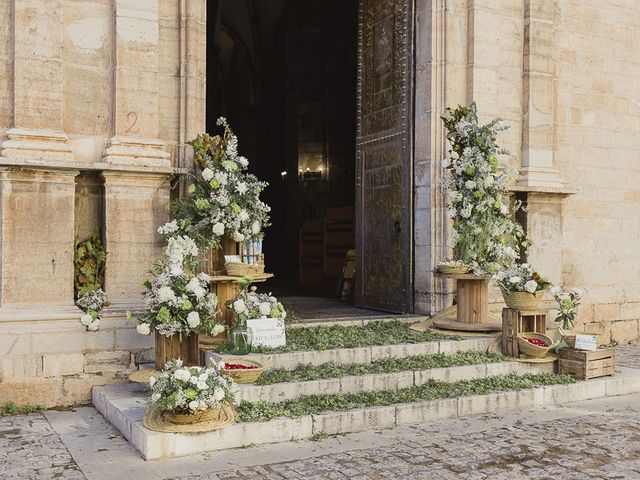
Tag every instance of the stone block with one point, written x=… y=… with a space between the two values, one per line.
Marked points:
x=413 y=413
x=62 y=364
x=19 y=367
x=376 y=382
x=34 y=391
x=500 y=401
x=403 y=350
x=130 y=339
x=450 y=374
x=61 y=341
x=359 y=420
x=576 y=392
x=77 y=390
x=107 y=361
x=625 y=331
x=14 y=345
x=466 y=345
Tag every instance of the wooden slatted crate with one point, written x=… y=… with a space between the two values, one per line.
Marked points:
x=585 y=365
x=184 y=347
x=517 y=321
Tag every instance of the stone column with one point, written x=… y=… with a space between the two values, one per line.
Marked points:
x=37 y=84
x=136 y=204
x=539 y=97
x=37 y=213
x=135 y=87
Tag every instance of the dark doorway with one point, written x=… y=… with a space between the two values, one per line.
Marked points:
x=283 y=72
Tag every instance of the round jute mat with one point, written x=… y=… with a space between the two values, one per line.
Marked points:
x=143 y=376
x=160 y=421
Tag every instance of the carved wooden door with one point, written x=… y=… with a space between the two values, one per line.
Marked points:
x=384 y=150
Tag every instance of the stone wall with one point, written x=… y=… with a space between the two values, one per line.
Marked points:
x=565 y=76
x=97 y=100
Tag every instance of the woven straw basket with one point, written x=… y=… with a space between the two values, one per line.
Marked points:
x=204 y=421
x=523 y=300
x=241 y=269
x=533 y=350
x=243 y=376
x=450 y=270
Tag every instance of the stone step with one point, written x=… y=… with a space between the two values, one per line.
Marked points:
x=278 y=392
x=356 y=321
x=349 y=356
x=124 y=406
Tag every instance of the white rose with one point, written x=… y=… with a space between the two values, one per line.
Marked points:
x=504 y=209
x=143 y=329
x=470 y=184
x=222 y=177
x=165 y=294
x=239 y=306
x=203 y=377
x=531 y=286
x=202 y=385
x=193 y=319
x=86 y=319
x=193 y=405
x=155 y=397
x=515 y=279
x=218 y=394
x=265 y=308
x=218 y=229
x=207 y=174
x=152 y=381
x=238 y=237
x=93 y=326
x=182 y=374
x=203 y=405
x=218 y=329
x=241 y=188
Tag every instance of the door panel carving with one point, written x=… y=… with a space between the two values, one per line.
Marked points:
x=384 y=155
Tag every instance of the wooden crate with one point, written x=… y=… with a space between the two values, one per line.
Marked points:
x=517 y=321
x=585 y=365
x=185 y=347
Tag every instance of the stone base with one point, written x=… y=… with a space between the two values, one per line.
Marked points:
x=124 y=407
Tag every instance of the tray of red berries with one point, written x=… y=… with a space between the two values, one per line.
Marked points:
x=534 y=344
x=242 y=370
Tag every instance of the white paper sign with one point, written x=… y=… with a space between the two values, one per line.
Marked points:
x=586 y=342
x=267 y=332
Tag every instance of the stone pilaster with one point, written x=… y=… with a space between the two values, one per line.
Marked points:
x=37 y=213
x=135 y=205
x=539 y=97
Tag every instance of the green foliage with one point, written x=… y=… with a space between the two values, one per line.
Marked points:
x=306 y=372
x=11 y=408
x=89 y=261
x=433 y=390
x=338 y=336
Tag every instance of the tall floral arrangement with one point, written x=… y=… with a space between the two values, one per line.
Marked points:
x=178 y=300
x=224 y=199
x=568 y=303
x=485 y=234
x=89 y=261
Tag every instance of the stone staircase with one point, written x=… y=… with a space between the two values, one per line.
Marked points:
x=124 y=405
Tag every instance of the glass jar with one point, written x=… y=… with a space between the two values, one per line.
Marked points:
x=240 y=340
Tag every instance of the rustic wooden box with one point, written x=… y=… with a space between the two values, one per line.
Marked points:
x=517 y=321
x=585 y=365
x=185 y=347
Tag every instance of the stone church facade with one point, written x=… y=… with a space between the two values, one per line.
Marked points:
x=99 y=97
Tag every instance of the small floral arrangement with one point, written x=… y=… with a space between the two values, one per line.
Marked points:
x=89 y=263
x=485 y=234
x=184 y=389
x=521 y=278
x=223 y=199
x=91 y=302
x=179 y=302
x=250 y=304
x=567 y=306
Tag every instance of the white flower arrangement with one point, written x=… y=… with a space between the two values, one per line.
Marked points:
x=250 y=304
x=91 y=302
x=223 y=199
x=185 y=389
x=485 y=234
x=179 y=302
x=521 y=278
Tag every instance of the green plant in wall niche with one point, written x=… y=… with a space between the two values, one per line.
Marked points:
x=89 y=262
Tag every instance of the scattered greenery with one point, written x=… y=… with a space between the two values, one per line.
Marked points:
x=11 y=408
x=314 y=404
x=339 y=336
x=89 y=260
x=307 y=372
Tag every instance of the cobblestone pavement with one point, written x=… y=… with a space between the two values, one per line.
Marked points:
x=31 y=449
x=598 y=439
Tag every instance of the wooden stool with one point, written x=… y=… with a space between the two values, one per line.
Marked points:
x=518 y=321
